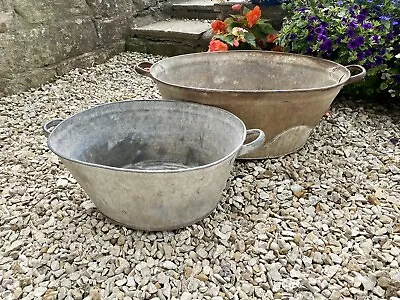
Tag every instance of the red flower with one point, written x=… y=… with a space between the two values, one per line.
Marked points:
x=217 y=45
x=237 y=7
x=277 y=48
x=271 y=38
x=218 y=27
x=253 y=16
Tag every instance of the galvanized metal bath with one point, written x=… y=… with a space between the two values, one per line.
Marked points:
x=152 y=165
x=283 y=94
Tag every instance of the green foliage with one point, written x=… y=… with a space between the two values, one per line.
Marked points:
x=365 y=32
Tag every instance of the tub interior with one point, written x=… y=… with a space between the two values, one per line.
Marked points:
x=249 y=70
x=148 y=135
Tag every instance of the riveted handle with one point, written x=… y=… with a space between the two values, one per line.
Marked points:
x=360 y=73
x=49 y=126
x=255 y=144
x=143 y=68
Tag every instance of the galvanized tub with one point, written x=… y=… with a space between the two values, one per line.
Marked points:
x=283 y=94
x=148 y=164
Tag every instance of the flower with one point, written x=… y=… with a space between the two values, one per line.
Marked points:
x=218 y=27
x=367 y=26
x=217 y=45
x=271 y=38
x=360 y=55
x=384 y=18
x=253 y=16
x=237 y=7
x=238 y=31
x=326 y=45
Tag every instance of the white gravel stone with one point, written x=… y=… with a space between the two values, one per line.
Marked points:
x=169 y=265
x=321 y=223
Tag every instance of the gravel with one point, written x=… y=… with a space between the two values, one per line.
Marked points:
x=322 y=223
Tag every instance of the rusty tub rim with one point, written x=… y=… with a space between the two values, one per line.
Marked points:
x=348 y=78
x=51 y=126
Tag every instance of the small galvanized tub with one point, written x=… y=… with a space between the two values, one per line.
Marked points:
x=283 y=94
x=148 y=164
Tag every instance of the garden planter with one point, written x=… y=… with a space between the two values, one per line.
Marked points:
x=283 y=94
x=151 y=164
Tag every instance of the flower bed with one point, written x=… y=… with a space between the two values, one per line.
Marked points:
x=243 y=30
x=365 y=32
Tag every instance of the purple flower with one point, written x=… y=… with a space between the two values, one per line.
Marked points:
x=384 y=18
x=360 y=56
x=355 y=43
x=395 y=23
x=309 y=38
x=389 y=37
x=352 y=45
x=312 y=18
x=339 y=2
x=320 y=30
x=375 y=38
x=350 y=32
x=367 y=53
x=301 y=9
x=360 y=40
x=353 y=25
x=367 y=26
x=382 y=51
x=361 y=18
x=378 y=60
x=368 y=65
x=326 y=45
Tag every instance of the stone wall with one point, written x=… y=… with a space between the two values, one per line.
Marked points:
x=40 y=39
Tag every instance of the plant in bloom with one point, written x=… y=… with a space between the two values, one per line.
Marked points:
x=243 y=30
x=217 y=45
x=365 y=32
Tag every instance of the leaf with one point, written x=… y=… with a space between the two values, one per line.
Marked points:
x=245 y=10
x=250 y=39
x=225 y=38
x=383 y=86
x=265 y=28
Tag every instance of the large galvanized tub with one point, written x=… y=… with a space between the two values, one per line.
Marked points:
x=283 y=94
x=151 y=165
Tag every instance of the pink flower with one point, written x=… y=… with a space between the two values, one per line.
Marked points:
x=217 y=45
x=237 y=7
x=253 y=16
x=236 y=43
x=218 y=27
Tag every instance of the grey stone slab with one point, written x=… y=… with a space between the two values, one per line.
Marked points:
x=173 y=30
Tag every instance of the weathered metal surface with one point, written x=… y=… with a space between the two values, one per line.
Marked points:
x=283 y=94
x=148 y=164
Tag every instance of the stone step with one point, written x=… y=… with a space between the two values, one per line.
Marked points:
x=171 y=37
x=180 y=36
x=194 y=9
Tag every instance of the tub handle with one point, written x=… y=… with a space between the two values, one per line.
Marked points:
x=360 y=70
x=143 y=68
x=255 y=144
x=49 y=126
